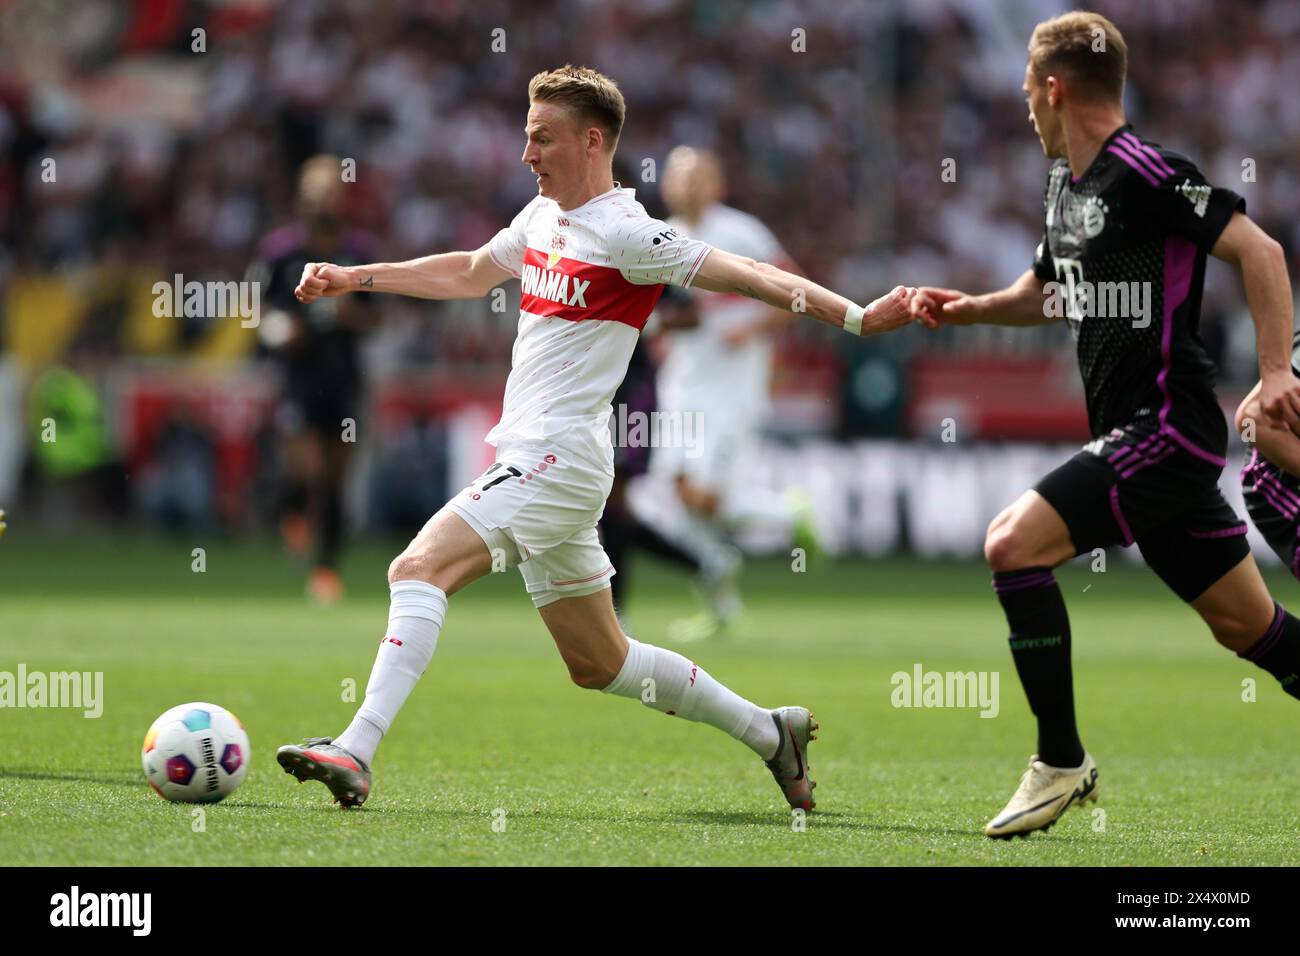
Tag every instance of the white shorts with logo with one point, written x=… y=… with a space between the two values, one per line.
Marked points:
x=537 y=507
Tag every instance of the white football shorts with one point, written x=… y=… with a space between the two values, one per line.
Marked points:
x=537 y=507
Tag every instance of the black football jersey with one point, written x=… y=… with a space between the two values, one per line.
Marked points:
x=327 y=354
x=1126 y=244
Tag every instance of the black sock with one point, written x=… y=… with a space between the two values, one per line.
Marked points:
x=1040 y=646
x=652 y=541
x=329 y=526
x=292 y=499
x=1278 y=651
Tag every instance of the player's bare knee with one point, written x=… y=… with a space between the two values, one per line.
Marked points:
x=1247 y=411
x=1004 y=548
x=411 y=566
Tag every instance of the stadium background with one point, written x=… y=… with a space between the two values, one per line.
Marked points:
x=141 y=544
x=169 y=161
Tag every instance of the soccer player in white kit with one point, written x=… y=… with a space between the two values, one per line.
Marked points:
x=591 y=264
x=718 y=370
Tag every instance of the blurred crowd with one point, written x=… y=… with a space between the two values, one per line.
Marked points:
x=148 y=138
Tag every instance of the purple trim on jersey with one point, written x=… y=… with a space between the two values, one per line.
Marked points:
x=1164 y=452
x=1149 y=151
x=1287 y=508
x=1119 y=515
x=1281 y=497
x=1133 y=163
x=1122 y=453
x=1131 y=459
x=280 y=242
x=1180 y=264
x=1271 y=636
x=1187 y=445
x=1249 y=464
x=1143 y=159
x=1038 y=579
x=1221 y=533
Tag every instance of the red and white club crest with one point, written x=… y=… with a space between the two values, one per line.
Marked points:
x=557 y=247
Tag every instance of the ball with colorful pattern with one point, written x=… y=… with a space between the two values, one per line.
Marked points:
x=195 y=753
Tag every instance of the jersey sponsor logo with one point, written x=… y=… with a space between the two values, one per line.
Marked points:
x=1076 y=299
x=1198 y=196
x=578 y=291
x=553 y=285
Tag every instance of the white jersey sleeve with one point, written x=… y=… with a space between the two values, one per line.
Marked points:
x=650 y=252
x=507 y=247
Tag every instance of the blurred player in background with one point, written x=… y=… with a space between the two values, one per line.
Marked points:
x=621 y=532
x=718 y=368
x=1123 y=212
x=592 y=265
x=317 y=347
x=1270 y=481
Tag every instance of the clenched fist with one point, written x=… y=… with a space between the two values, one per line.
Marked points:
x=323 y=279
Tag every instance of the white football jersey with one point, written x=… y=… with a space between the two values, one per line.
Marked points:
x=590 y=277
x=702 y=371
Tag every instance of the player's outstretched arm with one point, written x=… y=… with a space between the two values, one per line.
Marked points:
x=1020 y=303
x=723 y=271
x=1275 y=441
x=452 y=275
x=1268 y=293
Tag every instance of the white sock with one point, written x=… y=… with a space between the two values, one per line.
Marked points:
x=668 y=682
x=415 y=615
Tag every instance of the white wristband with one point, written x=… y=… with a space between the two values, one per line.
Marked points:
x=853 y=319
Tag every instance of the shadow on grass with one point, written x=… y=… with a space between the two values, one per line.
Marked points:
x=115 y=778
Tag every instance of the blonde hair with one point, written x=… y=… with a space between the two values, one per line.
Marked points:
x=590 y=95
x=1085 y=48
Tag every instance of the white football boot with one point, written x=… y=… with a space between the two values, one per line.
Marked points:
x=1043 y=795
x=796 y=727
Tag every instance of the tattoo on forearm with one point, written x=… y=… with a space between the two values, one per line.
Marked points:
x=367 y=282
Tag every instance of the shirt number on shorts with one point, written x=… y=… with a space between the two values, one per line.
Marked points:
x=484 y=484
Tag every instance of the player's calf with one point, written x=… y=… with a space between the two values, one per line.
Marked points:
x=1245 y=619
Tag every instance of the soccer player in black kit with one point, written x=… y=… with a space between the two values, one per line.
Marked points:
x=1270 y=481
x=317 y=347
x=1120 y=209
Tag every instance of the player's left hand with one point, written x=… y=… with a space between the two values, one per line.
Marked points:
x=1279 y=397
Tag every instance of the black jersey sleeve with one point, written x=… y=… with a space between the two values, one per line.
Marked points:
x=1044 y=267
x=1184 y=203
x=1295 y=352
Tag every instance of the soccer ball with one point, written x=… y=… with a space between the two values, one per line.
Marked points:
x=195 y=753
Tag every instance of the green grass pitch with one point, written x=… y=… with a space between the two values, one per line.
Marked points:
x=1190 y=772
